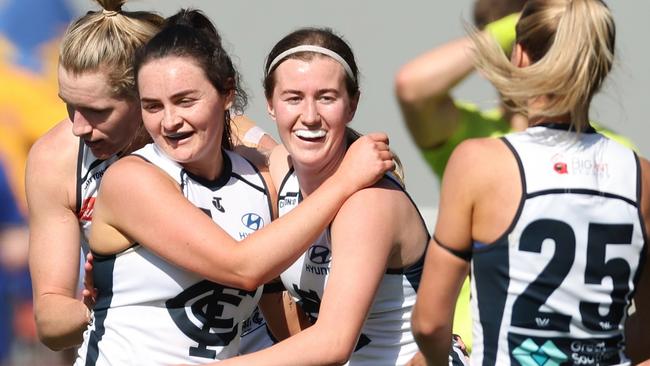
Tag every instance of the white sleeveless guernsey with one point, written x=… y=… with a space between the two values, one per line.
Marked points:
x=555 y=288
x=150 y=312
x=90 y=171
x=385 y=337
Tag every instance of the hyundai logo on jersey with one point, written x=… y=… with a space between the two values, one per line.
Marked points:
x=319 y=254
x=252 y=221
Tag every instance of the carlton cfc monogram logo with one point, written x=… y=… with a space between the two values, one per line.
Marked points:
x=207 y=301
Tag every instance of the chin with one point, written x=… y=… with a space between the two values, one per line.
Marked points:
x=102 y=154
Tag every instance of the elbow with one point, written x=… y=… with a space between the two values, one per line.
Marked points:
x=340 y=349
x=403 y=88
x=335 y=348
x=52 y=343
x=337 y=357
x=52 y=340
x=428 y=332
x=249 y=284
x=55 y=337
x=248 y=277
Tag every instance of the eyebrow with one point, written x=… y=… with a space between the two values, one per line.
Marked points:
x=179 y=94
x=319 y=91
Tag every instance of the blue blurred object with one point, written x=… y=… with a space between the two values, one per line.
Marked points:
x=9 y=215
x=28 y=24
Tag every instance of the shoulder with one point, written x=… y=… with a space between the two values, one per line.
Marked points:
x=131 y=178
x=279 y=164
x=478 y=166
x=54 y=156
x=132 y=170
x=385 y=200
x=474 y=156
x=55 y=148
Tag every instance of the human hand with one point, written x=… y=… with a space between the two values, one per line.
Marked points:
x=457 y=342
x=366 y=161
x=89 y=292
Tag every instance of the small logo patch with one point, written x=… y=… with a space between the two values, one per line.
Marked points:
x=530 y=354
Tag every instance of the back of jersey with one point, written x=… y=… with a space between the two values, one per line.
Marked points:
x=555 y=288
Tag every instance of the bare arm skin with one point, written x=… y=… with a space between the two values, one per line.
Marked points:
x=331 y=340
x=467 y=212
x=54 y=243
x=119 y=220
x=423 y=89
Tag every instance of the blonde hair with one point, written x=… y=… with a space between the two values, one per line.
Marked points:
x=571 y=46
x=107 y=40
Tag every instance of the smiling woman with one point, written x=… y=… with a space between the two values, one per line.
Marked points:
x=181 y=231
x=370 y=254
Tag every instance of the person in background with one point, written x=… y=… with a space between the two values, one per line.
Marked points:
x=552 y=220
x=438 y=122
x=14 y=278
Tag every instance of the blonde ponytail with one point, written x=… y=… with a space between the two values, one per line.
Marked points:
x=571 y=45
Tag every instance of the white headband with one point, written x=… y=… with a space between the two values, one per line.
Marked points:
x=317 y=49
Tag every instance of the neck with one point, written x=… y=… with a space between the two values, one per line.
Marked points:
x=311 y=177
x=140 y=140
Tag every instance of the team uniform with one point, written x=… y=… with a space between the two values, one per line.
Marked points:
x=255 y=334
x=475 y=123
x=555 y=288
x=90 y=171
x=150 y=312
x=385 y=337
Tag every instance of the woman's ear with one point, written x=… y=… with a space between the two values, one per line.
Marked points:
x=269 y=109
x=354 y=102
x=520 y=57
x=230 y=98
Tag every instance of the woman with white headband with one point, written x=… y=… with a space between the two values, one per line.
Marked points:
x=358 y=281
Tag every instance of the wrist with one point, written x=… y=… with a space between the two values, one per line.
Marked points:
x=504 y=31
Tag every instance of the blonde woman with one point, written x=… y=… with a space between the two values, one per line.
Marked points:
x=66 y=165
x=553 y=220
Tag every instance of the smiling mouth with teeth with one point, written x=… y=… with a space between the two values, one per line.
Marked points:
x=310 y=134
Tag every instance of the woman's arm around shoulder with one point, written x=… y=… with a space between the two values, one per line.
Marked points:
x=363 y=236
x=143 y=205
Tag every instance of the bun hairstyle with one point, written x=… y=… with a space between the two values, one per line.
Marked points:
x=571 y=44
x=106 y=40
x=190 y=34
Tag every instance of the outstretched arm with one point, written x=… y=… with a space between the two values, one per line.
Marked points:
x=207 y=249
